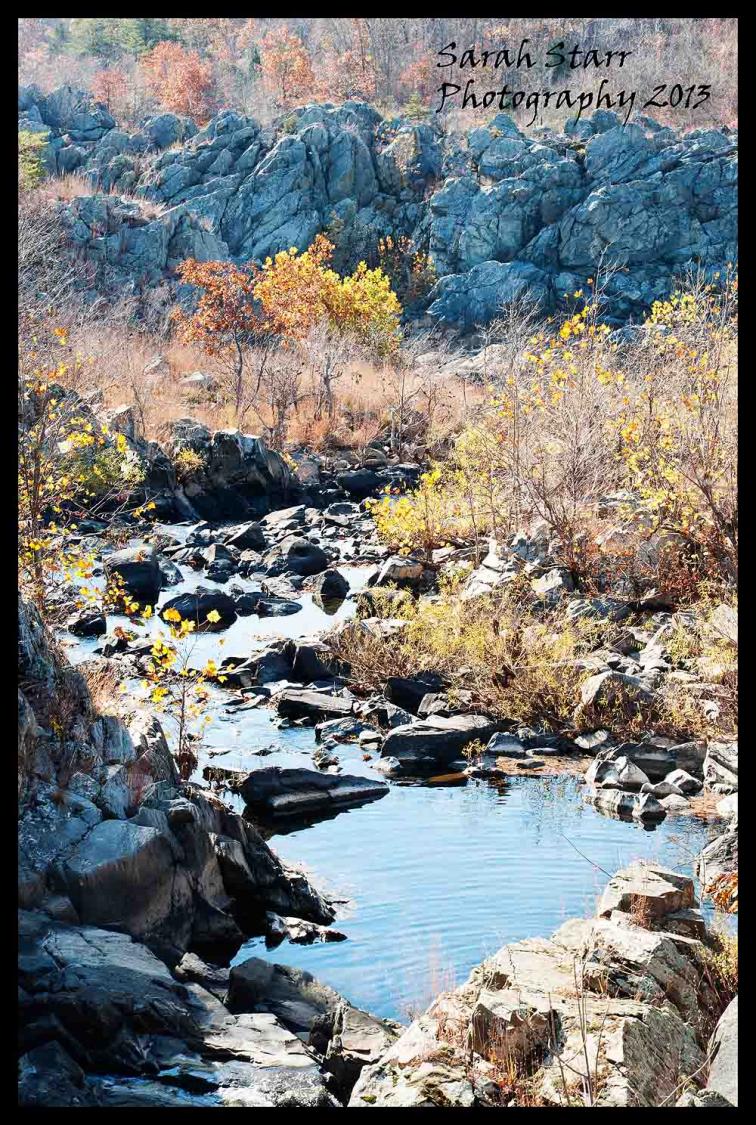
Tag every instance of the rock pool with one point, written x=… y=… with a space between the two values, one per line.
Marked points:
x=434 y=877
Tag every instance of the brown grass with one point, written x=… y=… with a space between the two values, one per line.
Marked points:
x=74 y=186
x=117 y=355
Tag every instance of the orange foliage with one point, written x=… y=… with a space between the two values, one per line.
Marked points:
x=286 y=68
x=224 y=315
x=110 y=86
x=180 y=80
x=299 y=291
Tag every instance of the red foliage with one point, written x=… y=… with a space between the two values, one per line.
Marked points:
x=286 y=68
x=180 y=80
x=110 y=86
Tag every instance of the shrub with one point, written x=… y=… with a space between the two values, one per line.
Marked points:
x=188 y=463
x=30 y=169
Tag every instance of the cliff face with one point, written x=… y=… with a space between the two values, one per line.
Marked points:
x=501 y=211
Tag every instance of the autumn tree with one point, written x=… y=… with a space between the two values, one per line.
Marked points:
x=111 y=86
x=286 y=68
x=303 y=299
x=225 y=324
x=179 y=80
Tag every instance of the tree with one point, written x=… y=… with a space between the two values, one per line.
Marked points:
x=179 y=80
x=137 y=36
x=110 y=86
x=298 y=291
x=100 y=37
x=286 y=68
x=306 y=301
x=224 y=322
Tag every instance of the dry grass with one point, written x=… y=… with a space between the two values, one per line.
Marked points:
x=74 y=186
x=116 y=356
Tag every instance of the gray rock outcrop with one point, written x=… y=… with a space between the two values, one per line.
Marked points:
x=516 y=216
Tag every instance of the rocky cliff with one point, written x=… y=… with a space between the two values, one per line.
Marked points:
x=501 y=211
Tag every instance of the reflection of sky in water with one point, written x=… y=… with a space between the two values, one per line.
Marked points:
x=440 y=878
x=437 y=878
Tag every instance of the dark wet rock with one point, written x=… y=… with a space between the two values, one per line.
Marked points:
x=294 y=996
x=249 y=562
x=330 y=586
x=435 y=742
x=220 y=552
x=297 y=931
x=246 y=603
x=100 y=1002
x=294 y=703
x=299 y=556
x=221 y=570
x=87 y=623
x=341 y=730
x=170 y=573
x=360 y=483
x=269 y=606
x=276 y=791
x=408 y=692
x=193 y=970
x=505 y=745
x=313 y=660
x=246 y=537
x=138 y=569
x=48 y=1076
x=197 y=605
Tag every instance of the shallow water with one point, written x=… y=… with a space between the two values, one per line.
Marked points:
x=434 y=878
x=438 y=878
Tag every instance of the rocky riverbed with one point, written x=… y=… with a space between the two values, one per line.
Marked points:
x=224 y=973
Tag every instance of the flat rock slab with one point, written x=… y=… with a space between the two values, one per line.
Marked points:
x=316 y=705
x=276 y=791
x=437 y=741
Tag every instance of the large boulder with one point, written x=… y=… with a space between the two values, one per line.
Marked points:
x=606 y=1013
x=103 y=1022
x=721 y=767
x=504 y=215
x=198 y=605
x=294 y=996
x=723 y=1051
x=137 y=570
x=297 y=556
